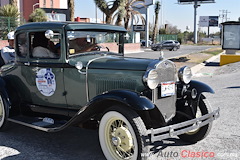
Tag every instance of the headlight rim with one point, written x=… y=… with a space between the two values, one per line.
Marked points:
x=152 y=83
x=185 y=74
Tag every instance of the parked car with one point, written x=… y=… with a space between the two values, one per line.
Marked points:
x=170 y=45
x=143 y=42
x=75 y=74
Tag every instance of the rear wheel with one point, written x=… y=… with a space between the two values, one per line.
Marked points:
x=3 y=113
x=199 y=133
x=121 y=133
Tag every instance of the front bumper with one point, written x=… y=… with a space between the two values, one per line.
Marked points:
x=183 y=127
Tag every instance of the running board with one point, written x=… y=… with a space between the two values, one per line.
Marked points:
x=43 y=124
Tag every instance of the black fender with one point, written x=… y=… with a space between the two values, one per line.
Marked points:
x=126 y=97
x=101 y=102
x=192 y=101
x=200 y=87
x=3 y=90
x=4 y=95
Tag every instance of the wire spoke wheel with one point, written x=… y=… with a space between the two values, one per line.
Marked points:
x=198 y=134
x=119 y=135
x=120 y=138
x=198 y=114
x=2 y=113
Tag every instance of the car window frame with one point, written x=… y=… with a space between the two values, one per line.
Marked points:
x=31 y=49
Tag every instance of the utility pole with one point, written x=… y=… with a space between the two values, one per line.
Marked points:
x=96 y=12
x=224 y=15
x=196 y=5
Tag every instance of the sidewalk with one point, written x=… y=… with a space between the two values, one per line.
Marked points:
x=211 y=62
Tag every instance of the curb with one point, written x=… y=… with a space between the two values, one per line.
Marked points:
x=198 y=67
x=131 y=52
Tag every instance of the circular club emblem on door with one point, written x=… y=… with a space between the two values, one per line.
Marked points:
x=45 y=81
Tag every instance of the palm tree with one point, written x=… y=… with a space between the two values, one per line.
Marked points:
x=9 y=11
x=38 y=15
x=108 y=8
x=119 y=16
x=127 y=12
x=155 y=29
x=71 y=9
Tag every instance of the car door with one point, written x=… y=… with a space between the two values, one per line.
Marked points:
x=42 y=77
x=165 y=45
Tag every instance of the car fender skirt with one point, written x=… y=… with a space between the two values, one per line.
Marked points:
x=201 y=87
x=126 y=97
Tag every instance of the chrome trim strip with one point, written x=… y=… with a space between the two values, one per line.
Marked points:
x=29 y=125
x=174 y=130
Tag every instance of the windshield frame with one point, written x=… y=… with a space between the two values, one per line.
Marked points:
x=119 y=40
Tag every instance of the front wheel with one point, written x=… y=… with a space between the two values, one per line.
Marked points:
x=199 y=133
x=121 y=133
x=3 y=113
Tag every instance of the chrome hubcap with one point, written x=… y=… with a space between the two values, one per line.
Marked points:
x=123 y=139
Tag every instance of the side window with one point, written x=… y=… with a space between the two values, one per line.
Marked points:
x=22 y=49
x=41 y=47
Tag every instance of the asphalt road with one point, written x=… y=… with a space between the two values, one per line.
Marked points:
x=223 y=142
x=184 y=50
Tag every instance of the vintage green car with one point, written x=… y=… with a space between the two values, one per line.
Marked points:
x=75 y=74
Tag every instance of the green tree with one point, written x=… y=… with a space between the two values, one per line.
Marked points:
x=38 y=15
x=9 y=19
x=71 y=9
x=108 y=8
x=238 y=19
x=155 y=28
x=128 y=12
x=170 y=29
x=9 y=11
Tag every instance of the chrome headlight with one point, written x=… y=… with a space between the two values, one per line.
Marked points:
x=185 y=74
x=152 y=79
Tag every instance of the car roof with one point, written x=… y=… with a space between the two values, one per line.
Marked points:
x=71 y=26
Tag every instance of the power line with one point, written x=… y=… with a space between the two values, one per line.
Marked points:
x=224 y=15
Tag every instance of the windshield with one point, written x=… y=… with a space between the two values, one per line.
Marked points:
x=88 y=41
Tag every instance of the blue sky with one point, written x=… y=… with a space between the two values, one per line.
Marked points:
x=172 y=13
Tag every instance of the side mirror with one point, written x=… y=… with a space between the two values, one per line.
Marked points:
x=49 y=34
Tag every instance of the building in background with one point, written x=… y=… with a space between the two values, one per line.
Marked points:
x=57 y=10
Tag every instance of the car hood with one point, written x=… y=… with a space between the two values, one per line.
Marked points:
x=114 y=62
